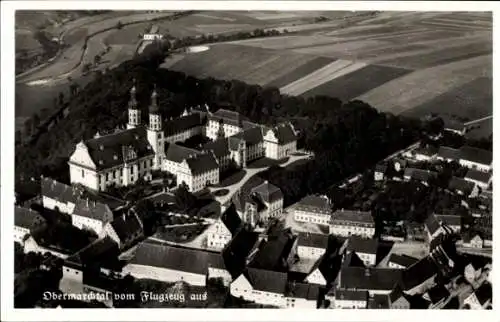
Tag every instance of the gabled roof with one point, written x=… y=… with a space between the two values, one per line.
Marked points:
x=177 y=153
x=268 y=192
x=369 y=278
x=362 y=245
x=65 y=239
x=459 y=184
x=27 y=218
x=273 y=253
x=127 y=226
x=231 y=219
x=236 y=252
x=437 y=293
x=312 y=240
x=449 y=220
x=396 y=294
x=156 y=254
x=402 y=260
x=305 y=291
x=449 y=153
x=251 y=136
x=284 y=133
x=352 y=216
x=351 y=295
x=202 y=163
x=92 y=209
x=480 y=176
x=112 y=150
x=432 y=224
x=230 y=117
x=418 y=273
x=266 y=280
x=316 y=204
x=419 y=174
x=183 y=123
x=219 y=147
x=59 y=191
x=101 y=253
x=476 y=155
x=484 y=293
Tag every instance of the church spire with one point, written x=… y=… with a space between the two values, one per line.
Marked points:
x=153 y=108
x=133 y=101
x=134 y=113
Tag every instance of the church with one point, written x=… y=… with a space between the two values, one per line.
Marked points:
x=122 y=157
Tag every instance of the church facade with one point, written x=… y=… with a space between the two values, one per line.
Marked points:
x=121 y=158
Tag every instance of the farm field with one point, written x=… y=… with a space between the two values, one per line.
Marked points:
x=300 y=71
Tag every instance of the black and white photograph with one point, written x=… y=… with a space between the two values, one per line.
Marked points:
x=321 y=159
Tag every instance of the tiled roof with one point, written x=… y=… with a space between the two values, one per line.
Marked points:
x=266 y=280
x=177 y=153
x=27 y=218
x=427 y=151
x=315 y=204
x=112 y=150
x=362 y=245
x=235 y=253
x=234 y=143
x=478 y=176
x=127 y=227
x=183 y=123
x=284 y=133
x=273 y=253
x=59 y=191
x=449 y=153
x=92 y=209
x=459 y=184
x=352 y=216
x=303 y=291
x=202 y=163
x=419 y=174
x=369 y=278
x=476 y=155
x=257 y=202
x=312 y=240
x=100 y=253
x=194 y=261
x=432 y=224
x=229 y=117
x=65 y=239
x=450 y=220
x=219 y=147
x=437 y=293
x=484 y=293
x=351 y=295
x=403 y=260
x=418 y=273
x=251 y=136
x=231 y=219
x=268 y=192
x=396 y=293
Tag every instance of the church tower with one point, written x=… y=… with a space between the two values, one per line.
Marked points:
x=134 y=113
x=155 y=133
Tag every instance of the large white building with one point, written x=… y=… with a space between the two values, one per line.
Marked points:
x=365 y=248
x=467 y=156
x=123 y=157
x=311 y=246
x=222 y=231
x=313 y=209
x=347 y=222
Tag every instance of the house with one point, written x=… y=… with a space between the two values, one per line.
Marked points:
x=59 y=196
x=427 y=153
x=436 y=296
x=481 y=298
x=311 y=246
x=225 y=123
x=126 y=229
x=301 y=295
x=452 y=221
x=479 y=178
x=325 y=270
x=397 y=299
x=261 y=286
x=272 y=198
x=163 y=262
x=373 y=280
x=422 y=176
x=197 y=171
x=433 y=227
x=400 y=164
x=380 y=171
x=469 y=157
x=463 y=187
x=240 y=251
x=351 y=299
x=26 y=221
x=277 y=253
x=222 y=231
x=472 y=239
x=313 y=209
x=448 y=154
x=455 y=127
x=351 y=222
x=475 y=268
x=401 y=261
x=419 y=277
x=91 y=215
x=280 y=141
x=365 y=248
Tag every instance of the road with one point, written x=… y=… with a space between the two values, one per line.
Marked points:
x=479 y=120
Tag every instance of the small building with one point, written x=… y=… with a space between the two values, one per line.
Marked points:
x=365 y=248
x=472 y=239
x=455 y=127
x=311 y=246
x=301 y=296
x=276 y=252
x=350 y=222
x=380 y=171
x=59 y=196
x=477 y=266
x=463 y=187
x=401 y=261
x=272 y=198
x=419 y=277
x=422 y=176
x=452 y=221
x=373 y=280
x=313 y=209
x=223 y=230
x=280 y=141
x=427 y=153
x=325 y=270
x=479 y=178
x=126 y=229
x=26 y=221
x=481 y=298
x=433 y=227
x=240 y=251
x=91 y=215
x=351 y=299
x=436 y=296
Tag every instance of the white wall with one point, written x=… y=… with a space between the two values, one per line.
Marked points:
x=310 y=252
x=345 y=230
x=50 y=203
x=303 y=216
x=349 y=304
x=19 y=233
x=164 y=274
x=82 y=222
x=316 y=278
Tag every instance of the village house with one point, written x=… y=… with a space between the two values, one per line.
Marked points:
x=380 y=171
x=26 y=221
x=325 y=269
x=313 y=209
x=301 y=295
x=241 y=250
x=433 y=227
x=272 y=198
x=91 y=215
x=276 y=252
x=222 y=231
x=463 y=187
x=126 y=229
x=163 y=262
x=450 y=220
x=350 y=299
x=311 y=246
x=401 y=261
x=352 y=222
x=419 y=277
x=466 y=156
x=475 y=268
x=261 y=286
x=436 y=296
x=481 y=298
x=365 y=248
x=455 y=127
x=427 y=153
x=280 y=141
x=471 y=239
x=59 y=196
x=373 y=280
x=422 y=176
x=479 y=178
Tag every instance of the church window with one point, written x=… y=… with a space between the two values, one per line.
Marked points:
x=83 y=173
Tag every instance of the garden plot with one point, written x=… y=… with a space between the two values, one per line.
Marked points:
x=300 y=71
x=350 y=49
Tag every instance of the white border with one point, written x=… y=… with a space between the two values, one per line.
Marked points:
x=7 y=166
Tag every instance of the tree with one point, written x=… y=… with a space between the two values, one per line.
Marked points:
x=184 y=199
x=86 y=68
x=97 y=59
x=119 y=25
x=61 y=98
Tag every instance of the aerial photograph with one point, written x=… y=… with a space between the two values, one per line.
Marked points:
x=253 y=159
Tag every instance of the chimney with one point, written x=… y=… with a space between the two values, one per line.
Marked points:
x=87 y=202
